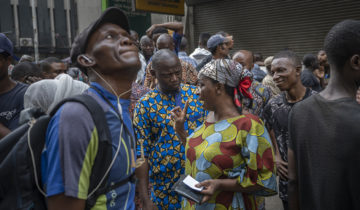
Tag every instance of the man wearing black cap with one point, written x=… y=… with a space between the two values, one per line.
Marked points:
x=105 y=52
x=11 y=93
x=217 y=45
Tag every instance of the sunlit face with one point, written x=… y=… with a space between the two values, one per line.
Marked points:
x=169 y=74
x=207 y=92
x=230 y=42
x=245 y=59
x=284 y=73
x=147 y=47
x=322 y=57
x=113 y=51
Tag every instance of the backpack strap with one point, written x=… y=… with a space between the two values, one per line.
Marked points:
x=104 y=153
x=104 y=157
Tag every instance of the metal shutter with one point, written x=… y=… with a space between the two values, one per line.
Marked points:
x=7 y=25
x=43 y=22
x=60 y=24
x=271 y=26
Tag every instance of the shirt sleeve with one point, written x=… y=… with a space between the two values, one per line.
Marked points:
x=71 y=148
x=257 y=150
x=142 y=129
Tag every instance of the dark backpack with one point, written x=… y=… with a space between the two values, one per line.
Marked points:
x=20 y=154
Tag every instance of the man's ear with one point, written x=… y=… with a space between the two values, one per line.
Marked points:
x=85 y=60
x=355 y=62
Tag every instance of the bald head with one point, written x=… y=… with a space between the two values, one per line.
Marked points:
x=167 y=69
x=245 y=58
x=163 y=56
x=165 y=41
x=145 y=39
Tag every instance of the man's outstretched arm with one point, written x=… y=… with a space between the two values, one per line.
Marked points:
x=142 y=174
x=178 y=27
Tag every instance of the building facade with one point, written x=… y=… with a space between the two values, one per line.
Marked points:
x=270 y=26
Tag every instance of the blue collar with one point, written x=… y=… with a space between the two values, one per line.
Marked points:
x=109 y=95
x=177 y=95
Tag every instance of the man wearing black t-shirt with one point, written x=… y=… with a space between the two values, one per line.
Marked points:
x=325 y=132
x=308 y=77
x=286 y=70
x=11 y=93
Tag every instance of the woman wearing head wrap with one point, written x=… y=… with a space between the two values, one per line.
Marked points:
x=46 y=93
x=232 y=158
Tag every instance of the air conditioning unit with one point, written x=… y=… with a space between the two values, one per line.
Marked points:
x=26 y=42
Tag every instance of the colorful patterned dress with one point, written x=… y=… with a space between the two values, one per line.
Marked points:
x=237 y=148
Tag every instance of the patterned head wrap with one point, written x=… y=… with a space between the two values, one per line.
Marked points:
x=231 y=73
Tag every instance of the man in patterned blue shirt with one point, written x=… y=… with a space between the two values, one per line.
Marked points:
x=163 y=151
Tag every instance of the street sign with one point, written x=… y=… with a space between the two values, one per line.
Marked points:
x=172 y=7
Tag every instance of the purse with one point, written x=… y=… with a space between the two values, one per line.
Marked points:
x=181 y=188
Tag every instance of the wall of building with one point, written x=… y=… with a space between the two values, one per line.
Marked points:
x=88 y=11
x=271 y=26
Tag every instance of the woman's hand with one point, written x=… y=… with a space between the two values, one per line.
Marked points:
x=210 y=187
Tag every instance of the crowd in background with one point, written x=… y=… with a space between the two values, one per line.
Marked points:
x=233 y=121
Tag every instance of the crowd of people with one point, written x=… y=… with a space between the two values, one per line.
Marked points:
x=233 y=122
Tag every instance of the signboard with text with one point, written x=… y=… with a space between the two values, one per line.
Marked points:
x=172 y=7
x=139 y=21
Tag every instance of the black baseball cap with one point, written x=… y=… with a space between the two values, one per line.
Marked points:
x=110 y=15
x=6 y=46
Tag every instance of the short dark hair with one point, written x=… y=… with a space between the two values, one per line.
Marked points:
x=159 y=56
x=203 y=39
x=310 y=62
x=159 y=30
x=45 y=65
x=25 y=69
x=183 y=44
x=290 y=55
x=257 y=57
x=342 y=42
